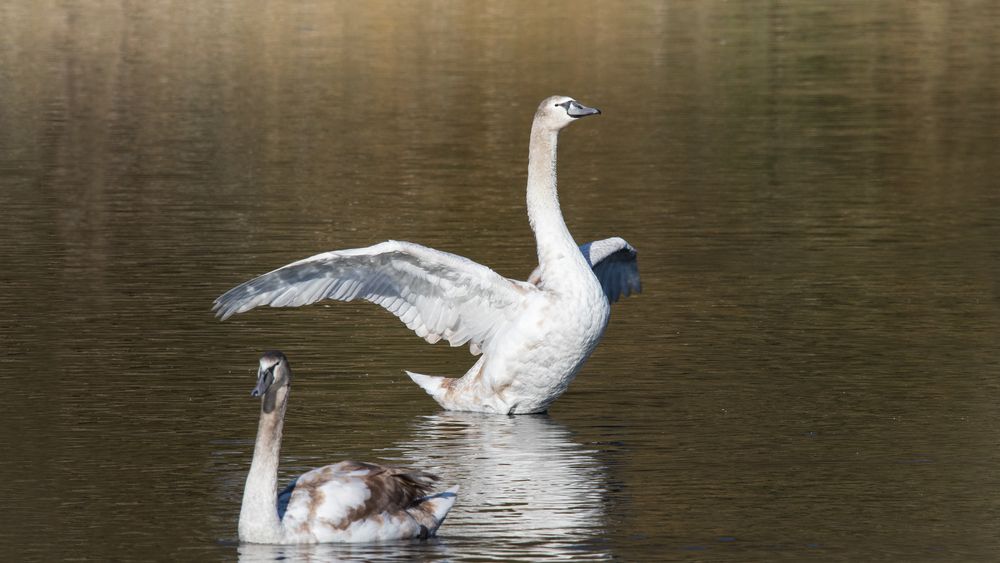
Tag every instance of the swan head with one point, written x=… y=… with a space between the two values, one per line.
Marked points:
x=557 y=112
x=273 y=373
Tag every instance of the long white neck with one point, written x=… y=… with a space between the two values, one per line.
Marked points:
x=557 y=250
x=259 y=515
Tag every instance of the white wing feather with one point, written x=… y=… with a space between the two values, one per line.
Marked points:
x=614 y=263
x=436 y=294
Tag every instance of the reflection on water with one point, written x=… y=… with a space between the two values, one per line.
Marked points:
x=528 y=488
x=430 y=550
x=529 y=492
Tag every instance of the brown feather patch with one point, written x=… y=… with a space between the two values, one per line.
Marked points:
x=393 y=489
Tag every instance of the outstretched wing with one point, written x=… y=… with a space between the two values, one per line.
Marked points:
x=614 y=263
x=436 y=294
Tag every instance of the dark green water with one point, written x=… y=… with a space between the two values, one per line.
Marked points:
x=810 y=372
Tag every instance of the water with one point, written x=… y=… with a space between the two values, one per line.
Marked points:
x=810 y=372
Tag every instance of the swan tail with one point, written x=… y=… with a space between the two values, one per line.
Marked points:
x=439 y=504
x=435 y=386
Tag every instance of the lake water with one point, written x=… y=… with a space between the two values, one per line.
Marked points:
x=811 y=370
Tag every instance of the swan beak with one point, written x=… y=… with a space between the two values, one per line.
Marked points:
x=577 y=109
x=264 y=380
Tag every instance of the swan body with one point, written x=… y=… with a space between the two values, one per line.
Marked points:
x=346 y=502
x=534 y=336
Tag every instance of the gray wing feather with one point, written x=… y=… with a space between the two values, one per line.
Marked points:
x=436 y=294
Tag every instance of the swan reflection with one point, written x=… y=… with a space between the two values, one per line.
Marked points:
x=343 y=553
x=529 y=492
x=521 y=476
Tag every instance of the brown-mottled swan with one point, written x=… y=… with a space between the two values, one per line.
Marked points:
x=345 y=502
x=533 y=336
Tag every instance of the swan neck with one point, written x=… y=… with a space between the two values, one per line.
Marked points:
x=259 y=514
x=551 y=234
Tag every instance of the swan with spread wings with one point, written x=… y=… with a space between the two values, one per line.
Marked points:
x=532 y=337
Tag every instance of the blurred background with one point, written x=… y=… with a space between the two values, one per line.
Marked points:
x=811 y=370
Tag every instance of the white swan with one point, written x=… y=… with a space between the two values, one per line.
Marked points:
x=534 y=336
x=345 y=502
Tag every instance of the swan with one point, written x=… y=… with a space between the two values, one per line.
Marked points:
x=348 y=501
x=533 y=336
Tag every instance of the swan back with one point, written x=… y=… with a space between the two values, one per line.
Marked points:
x=355 y=501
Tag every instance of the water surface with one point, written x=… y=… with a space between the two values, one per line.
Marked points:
x=810 y=371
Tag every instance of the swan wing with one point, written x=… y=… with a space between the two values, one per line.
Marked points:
x=436 y=294
x=614 y=263
x=349 y=492
x=285 y=496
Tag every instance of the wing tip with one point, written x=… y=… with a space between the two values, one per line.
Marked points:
x=220 y=309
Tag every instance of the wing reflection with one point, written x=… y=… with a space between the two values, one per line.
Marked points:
x=521 y=476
